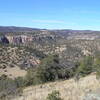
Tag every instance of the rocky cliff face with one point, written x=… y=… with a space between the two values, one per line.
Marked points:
x=19 y=39
x=16 y=39
x=4 y=39
x=18 y=35
x=26 y=38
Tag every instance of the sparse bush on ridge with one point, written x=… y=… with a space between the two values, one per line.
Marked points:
x=85 y=66
x=55 y=95
x=88 y=65
x=97 y=67
x=30 y=77
x=20 y=82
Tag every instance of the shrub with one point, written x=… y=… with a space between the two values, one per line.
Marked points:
x=29 y=78
x=55 y=95
x=86 y=66
x=48 y=69
x=97 y=67
x=20 y=82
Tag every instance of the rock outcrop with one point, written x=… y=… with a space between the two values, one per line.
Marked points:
x=19 y=39
x=3 y=39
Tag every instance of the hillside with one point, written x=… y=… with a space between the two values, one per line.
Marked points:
x=34 y=56
x=69 y=89
x=14 y=60
x=6 y=29
x=25 y=49
x=60 y=32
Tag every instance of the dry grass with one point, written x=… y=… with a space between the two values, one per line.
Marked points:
x=13 y=72
x=69 y=89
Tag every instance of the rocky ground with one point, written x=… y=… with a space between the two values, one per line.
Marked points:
x=15 y=60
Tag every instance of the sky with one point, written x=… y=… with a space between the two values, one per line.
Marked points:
x=51 y=14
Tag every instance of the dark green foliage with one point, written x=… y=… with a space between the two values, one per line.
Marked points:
x=20 y=82
x=97 y=67
x=70 y=72
x=30 y=77
x=86 y=66
x=55 y=95
x=49 y=69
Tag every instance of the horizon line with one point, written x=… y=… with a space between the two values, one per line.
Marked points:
x=48 y=28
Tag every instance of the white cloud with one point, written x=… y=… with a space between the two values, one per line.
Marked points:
x=48 y=21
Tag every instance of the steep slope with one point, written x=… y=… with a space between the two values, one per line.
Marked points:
x=69 y=89
x=15 y=59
